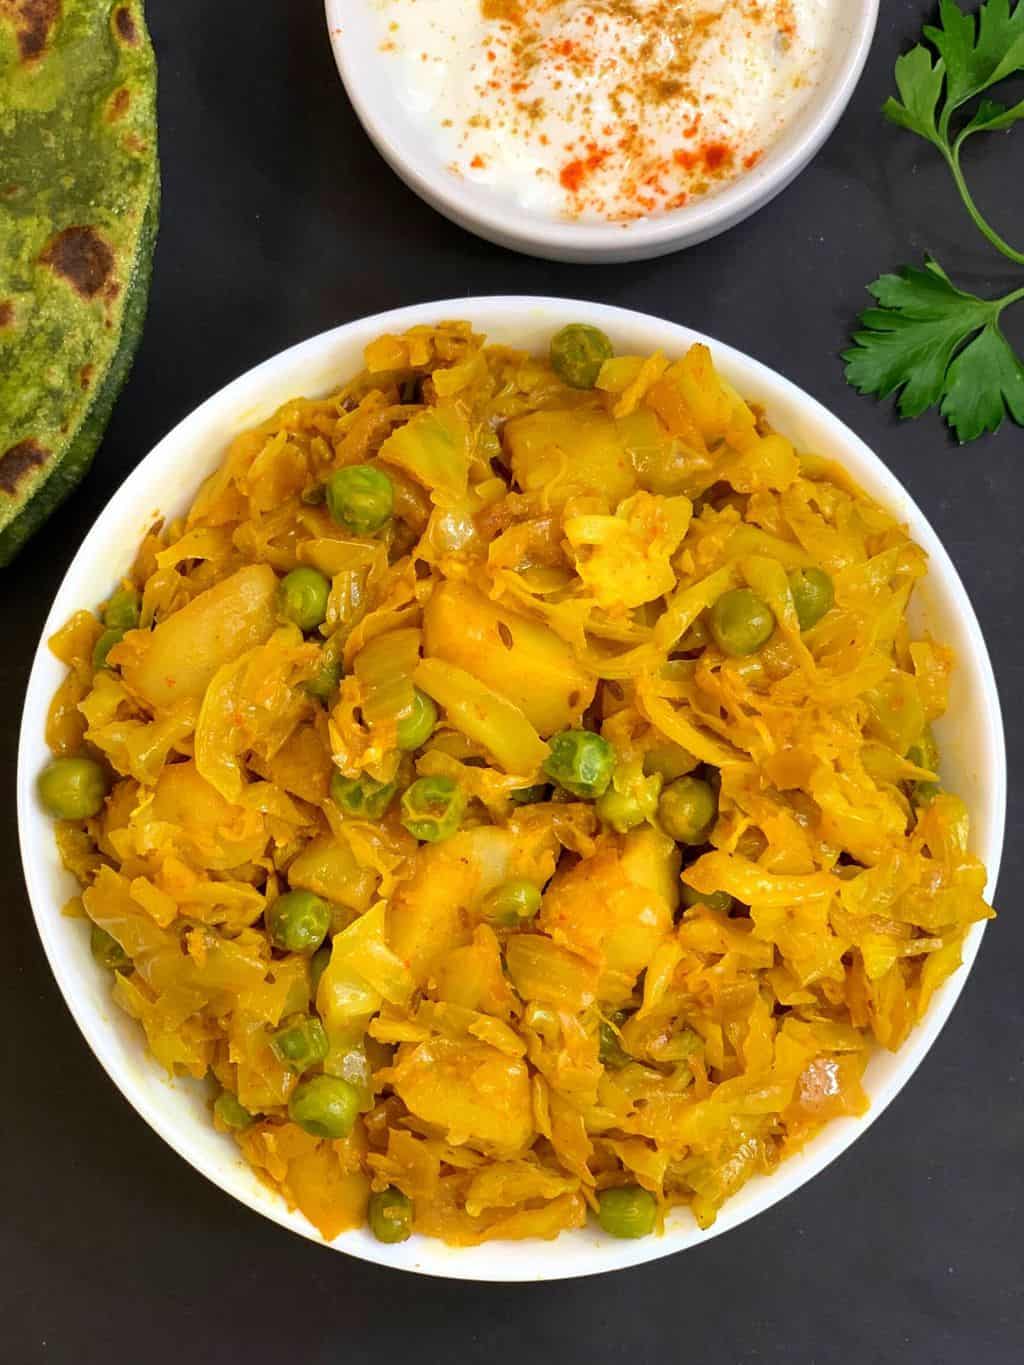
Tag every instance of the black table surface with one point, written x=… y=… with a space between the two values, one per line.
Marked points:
x=280 y=221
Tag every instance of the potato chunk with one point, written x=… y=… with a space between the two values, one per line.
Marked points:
x=616 y=907
x=520 y=659
x=216 y=834
x=471 y=1091
x=328 y=868
x=182 y=654
x=432 y=912
x=564 y=453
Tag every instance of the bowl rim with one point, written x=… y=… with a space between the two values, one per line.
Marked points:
x=487 y=215
x=35 y=828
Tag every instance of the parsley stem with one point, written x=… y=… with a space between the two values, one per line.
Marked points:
x=952 y=155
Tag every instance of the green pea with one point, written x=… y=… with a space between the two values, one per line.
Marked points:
x=361 y=498
x=530 y=796
x=324 y=682
x=924 y=754
x=717 y=900
x=301 y=1044
x=513 y=903
x=581 y=762
x=741 y=622
x=621 y=810
x=231 y=1112
x=389 y=1214
x=363 y=797
x=687 y=810
x=610 y=1050
x=298 y=922
x=303 y=597
x=432 y=808
x=73 y=788
x=107 y=951
x=577 y=354
x=813 y=595
x=625 y=810
x=324 y=1107
x=627 y=1211
x=417 y=727
x=669 y=761
x=122 y=610
x=103 y=646
x=317 y=966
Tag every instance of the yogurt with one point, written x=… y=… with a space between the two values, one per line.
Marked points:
x=605 y=110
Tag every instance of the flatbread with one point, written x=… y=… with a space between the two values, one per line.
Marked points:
x=79 y=204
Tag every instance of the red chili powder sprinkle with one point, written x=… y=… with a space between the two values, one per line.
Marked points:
x=573 y=173
x=571 y=176
x=713 y=156
x=716 y=155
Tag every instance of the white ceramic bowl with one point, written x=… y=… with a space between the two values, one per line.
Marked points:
x=406 y=140
x=974 y=764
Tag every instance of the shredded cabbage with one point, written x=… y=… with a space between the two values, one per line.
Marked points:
x=676 y=1017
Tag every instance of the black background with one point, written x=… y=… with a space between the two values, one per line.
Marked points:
x=279 y=221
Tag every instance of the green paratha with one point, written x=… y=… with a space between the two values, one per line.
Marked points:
x=79 y=202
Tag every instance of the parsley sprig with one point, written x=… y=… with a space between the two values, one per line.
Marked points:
x=940 y=345
x=929 y=341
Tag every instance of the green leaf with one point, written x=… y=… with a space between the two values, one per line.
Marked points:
x=984 y=381
x=1000 y=40
x=929 y=342
x=991 y=116
x=920 y=85
x=912 y=339
x=975 y=52
x=978 y=54
x=954 y=41
x=935 y=344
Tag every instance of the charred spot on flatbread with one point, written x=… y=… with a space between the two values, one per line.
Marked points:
x=19 y=460
x=33 y=23
x=124 y=22
x=119 y=104
x=82 y=257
